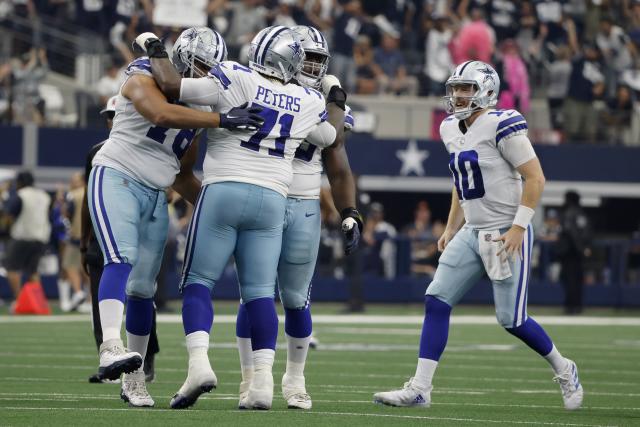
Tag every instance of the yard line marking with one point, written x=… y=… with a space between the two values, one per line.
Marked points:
x=359 y=319
x=348 y=414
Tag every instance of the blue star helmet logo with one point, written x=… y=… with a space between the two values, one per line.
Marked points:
x=488 y=74
x=192 y=34
x=296 y=48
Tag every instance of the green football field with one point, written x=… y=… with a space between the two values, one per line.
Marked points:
x=486 y=377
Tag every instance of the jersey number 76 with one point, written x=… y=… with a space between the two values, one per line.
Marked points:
x=467 y=175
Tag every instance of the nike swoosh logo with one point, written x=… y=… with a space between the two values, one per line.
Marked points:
x=309 y=214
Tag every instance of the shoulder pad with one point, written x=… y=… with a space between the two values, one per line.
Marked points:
x=139 y=65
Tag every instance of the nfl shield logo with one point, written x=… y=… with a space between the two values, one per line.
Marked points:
x=487 y=237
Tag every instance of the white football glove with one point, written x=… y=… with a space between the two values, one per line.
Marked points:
x=328 y=82
x=142 y=39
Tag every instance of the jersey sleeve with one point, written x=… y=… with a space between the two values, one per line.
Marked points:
x=200 y=91
x=140 y=65
x=323 y=135
x=517 y=150
x=231 y=81
x=348 y=119
x=510 y=124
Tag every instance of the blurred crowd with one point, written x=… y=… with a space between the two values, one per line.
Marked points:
x=581 y=56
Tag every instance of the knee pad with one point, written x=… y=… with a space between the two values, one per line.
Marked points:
x=254 y=292
x=141 y=289
x=294 y=299
x=505 y=319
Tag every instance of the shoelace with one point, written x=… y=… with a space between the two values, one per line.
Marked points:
x=139 y=388
x=565 y=382
x=302 y=396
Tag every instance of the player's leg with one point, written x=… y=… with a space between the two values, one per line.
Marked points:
x=211 y=240
x=300 y=243
x=257 y=253
x=140 y=290
x=245 y=352
x=458 y=270
x=510 y=296
x=114 y=204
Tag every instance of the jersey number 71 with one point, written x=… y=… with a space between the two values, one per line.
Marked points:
x=270 y=118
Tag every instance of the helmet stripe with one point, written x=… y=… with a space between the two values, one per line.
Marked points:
x=219 y=47
x=264 y=35
x=463 y=67
x=268 y=42
x=319 y=36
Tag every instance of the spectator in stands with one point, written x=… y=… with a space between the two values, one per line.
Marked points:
x=284 y=13
x=5 y=92
x=503 y=18
x=110 y=83
x=514 y=90
x=616 y=49
x=93 y=15
x=395 y=78
x=573 y=246
x=617 y=116
x=345 y=31
x=420 y=228
x=527 y=35
x=28 y=213
x=378 y=236
x=439 y=64
x=475 y=40
x=586 y=85
x=369 y=76
x=556 y=27
x=30 y=71
x=559 y=73
x=247 y=19
x=425 y=254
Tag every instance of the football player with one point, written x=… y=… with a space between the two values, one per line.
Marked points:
x=147 y=143
x=242 y=203
x=301 y=236
x=488 y=230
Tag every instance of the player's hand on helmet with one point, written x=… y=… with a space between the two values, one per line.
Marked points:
x=242 y=118
x=444 y=240
x=351 y=229
x=332 y=90
x=512 y=242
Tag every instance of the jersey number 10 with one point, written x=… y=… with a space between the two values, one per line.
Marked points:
x=467 y=175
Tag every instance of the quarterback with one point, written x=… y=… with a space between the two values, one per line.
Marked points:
x=488 y=230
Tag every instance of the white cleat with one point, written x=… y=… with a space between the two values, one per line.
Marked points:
x=295 y=392
x=200 y=379
x=134 y=391
x=572 y=392
x=260 y=395
x=407 y=396
x=244 y=392
x=116 y=360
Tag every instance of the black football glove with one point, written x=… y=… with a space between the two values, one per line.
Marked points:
x=242 y=118
x=351 y=228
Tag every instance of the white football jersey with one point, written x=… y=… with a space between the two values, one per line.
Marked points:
x=149 y=154
x=483 y=166
x=307 y=166
x=291 y=114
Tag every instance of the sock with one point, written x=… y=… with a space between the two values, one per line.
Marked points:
x=139 y=321
x=556 y=360
x=424 y=373
x=243 y=339
x=298 y=327
x=111 y=299
x=534 y=336
x=64 y=290
x=263 y=359
x=197 y=309
x=198 y=345
x=435 y=328
x=264 y=323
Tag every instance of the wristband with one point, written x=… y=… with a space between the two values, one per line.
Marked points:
x=523 y=217
x=156 y=49
x=352 y=213
x=338 y=96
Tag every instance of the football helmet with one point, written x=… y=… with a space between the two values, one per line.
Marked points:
x=316 y=51
x=485 y=81
x=199 y=44
x=277 y=52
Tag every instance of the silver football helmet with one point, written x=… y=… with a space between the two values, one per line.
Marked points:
x=316 y=51
x=276 y=51
x=485 y=81
x=198 y=45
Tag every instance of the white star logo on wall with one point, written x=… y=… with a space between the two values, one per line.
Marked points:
x=412 y=159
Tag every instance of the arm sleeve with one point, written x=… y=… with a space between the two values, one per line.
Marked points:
x=323 y=135
x=201 y=91
x=517 y=150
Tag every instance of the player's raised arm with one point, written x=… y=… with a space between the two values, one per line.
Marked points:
x=165 y=74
